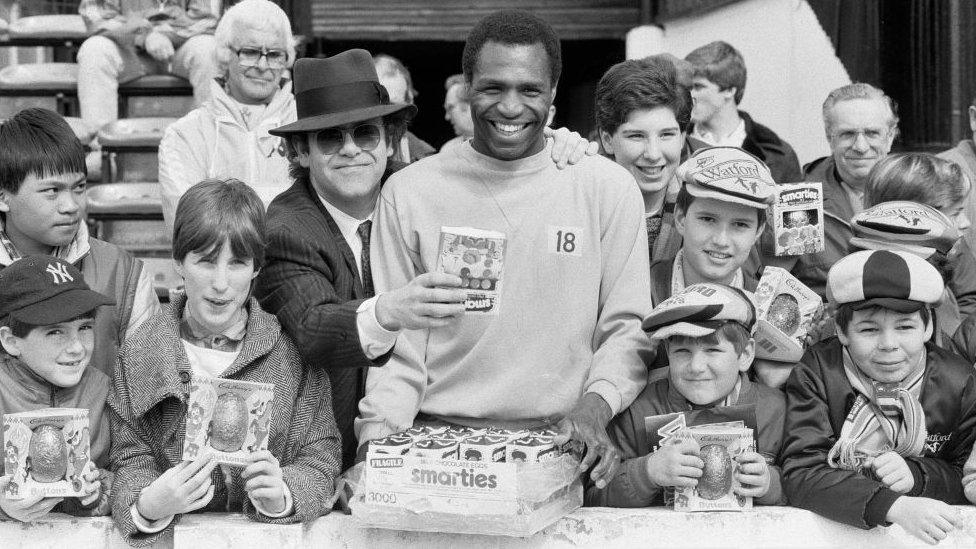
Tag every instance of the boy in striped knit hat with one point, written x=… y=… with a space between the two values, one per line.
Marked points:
x=879 y=421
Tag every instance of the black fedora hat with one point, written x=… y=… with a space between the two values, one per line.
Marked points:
x=338 y=90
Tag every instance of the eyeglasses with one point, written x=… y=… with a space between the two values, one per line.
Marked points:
x=330 y=140
x=250 y=57
x=873 y=136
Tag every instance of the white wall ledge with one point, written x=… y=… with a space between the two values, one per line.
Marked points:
x=598 y=527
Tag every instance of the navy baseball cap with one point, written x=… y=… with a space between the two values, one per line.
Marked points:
x=41 y=290
x=896 y=280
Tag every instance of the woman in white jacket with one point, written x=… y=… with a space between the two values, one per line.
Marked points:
x=227 y=137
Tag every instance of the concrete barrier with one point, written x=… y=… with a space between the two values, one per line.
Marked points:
x=598 y=527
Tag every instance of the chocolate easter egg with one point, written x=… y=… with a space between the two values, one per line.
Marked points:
x=716 y=479
x=784 y=313
x=48 y=454
x=228 y=425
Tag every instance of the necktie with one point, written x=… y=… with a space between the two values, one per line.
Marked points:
x=365 y=274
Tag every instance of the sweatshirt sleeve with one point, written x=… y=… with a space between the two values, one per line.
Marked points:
x=393 y=393
x=618 y=371
x=631 y=487
x=809 y=482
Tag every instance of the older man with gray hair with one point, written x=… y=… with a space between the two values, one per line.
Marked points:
x=227 y=137
x=860 y=123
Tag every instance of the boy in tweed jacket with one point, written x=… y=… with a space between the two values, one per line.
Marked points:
x=216 y=329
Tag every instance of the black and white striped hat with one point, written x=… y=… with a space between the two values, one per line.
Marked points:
x=895 y=280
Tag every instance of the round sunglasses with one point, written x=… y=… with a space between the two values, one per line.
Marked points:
x=330 y=140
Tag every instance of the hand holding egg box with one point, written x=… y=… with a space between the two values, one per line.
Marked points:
x=228 y=417
x=785 y=310
x=46 y=452
x=478 y=257
x=796 y=218
x=718 y=448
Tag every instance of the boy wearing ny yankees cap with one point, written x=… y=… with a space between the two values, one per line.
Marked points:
x=705 y=330
x=879 y=420
x=47 y=319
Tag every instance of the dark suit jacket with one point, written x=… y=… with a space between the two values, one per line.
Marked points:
x=310 y=281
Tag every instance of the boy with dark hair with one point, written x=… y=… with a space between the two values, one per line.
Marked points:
x=719 y=213
x=718 y=84
x=879 y=421
x=47 y=319
x=706 y=331
x=42 y=211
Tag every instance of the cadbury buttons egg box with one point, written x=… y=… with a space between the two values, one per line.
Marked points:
x=46 y=452
x=718 y=448
x=227 y=418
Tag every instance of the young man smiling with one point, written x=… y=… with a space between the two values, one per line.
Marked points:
x=575 y=265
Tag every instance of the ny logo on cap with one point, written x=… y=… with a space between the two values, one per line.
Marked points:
x=59 y=273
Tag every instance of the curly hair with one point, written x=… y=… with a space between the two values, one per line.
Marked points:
x=512 y=27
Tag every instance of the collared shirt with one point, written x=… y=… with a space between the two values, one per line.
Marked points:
x=229 y=339
x=854 y=196
x=374 y=339
x=734 y=139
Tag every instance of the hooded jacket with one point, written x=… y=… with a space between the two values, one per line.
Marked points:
x=218 y=140
x=818 y=399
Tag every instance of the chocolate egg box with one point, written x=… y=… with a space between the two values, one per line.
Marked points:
x=477 y=256
x=227 y=418
x=796 y=219
x=718 y=448
x=785 y=310
x=46 y=452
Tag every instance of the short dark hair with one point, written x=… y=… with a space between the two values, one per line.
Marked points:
x=917 y=177
x=513 y=28
x=638 y=84
x=394 y=128
x=685 y=199
x=37 y=142
x=721 y=64
x=23 y=329
x=845 y=312
x=733 y=332
x=215 y=211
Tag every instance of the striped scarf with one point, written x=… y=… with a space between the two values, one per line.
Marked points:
x=885 y=416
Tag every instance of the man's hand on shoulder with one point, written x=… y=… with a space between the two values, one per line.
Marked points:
x=429 y=301
x=587 y=423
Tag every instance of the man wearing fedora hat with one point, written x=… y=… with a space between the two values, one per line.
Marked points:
x=317 y=276
x=564 y=345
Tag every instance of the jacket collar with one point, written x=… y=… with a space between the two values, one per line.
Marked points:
x=152 y=377
x=72 y=253
x=836 y=203
x=280 y=109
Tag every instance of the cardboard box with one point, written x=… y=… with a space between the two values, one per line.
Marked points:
x=796 y=218
x=719 y=446
x=785 y=310
x=483 y=448
x=227 y=417
x=46 y=452
x=467 y=497
x=398 y=444
x=478 y=257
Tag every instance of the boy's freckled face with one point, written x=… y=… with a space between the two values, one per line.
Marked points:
x=45 y=212
x=705 y=370
x=58 y=352
x=886 y=345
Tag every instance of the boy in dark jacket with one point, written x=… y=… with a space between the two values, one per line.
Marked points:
x=879 y=421
x=706 y=331
x=47 y=325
